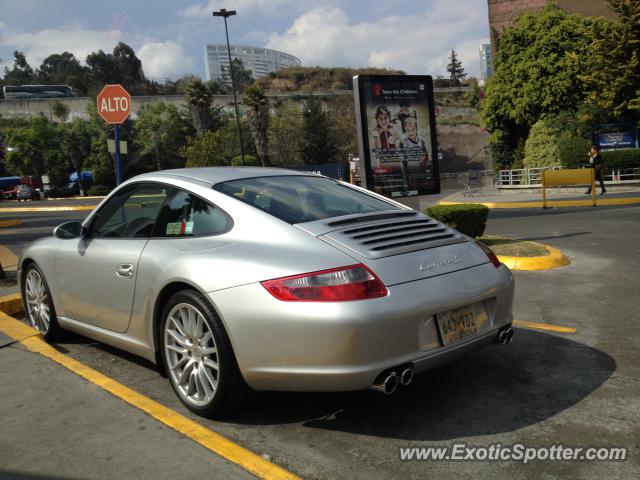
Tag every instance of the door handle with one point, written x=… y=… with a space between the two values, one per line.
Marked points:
x=124 y=270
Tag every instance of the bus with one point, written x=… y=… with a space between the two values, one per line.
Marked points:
x=26 y=92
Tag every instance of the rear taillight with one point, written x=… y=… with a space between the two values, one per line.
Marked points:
x=355 y=282
x=492 y=256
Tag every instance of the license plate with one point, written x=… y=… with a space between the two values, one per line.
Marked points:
x=458 y=324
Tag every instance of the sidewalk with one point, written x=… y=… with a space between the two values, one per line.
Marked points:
x=492 y=198
x=56 y=425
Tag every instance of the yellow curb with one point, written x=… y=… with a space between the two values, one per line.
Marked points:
x=554 y=259
x=47 y=209
x=8 y=259
x=552 y=203
x=11 y=304
x=209 y=439
x=81 y=198
x=544 y=326
x=10 y=223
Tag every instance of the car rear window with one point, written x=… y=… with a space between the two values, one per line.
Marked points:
x=299 y=199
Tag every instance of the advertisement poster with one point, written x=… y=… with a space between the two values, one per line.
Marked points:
x=396 y=132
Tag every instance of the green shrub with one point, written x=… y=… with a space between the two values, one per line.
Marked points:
x=470 y=218
x=628 y=158
x=541 y=149
x=572 y=150
x=60 y=192
x=99 y=190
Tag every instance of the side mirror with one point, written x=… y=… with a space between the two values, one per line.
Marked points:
x=68 y=230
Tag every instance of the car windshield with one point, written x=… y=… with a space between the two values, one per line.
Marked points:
x=298 y=199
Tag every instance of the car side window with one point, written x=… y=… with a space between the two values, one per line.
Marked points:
x=186 y=215
x=131 y=213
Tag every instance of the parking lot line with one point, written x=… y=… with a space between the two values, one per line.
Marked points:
x=544 y=326
x=70 y=208
x=209 y=439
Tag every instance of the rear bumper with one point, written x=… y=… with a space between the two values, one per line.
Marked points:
x=299 y=346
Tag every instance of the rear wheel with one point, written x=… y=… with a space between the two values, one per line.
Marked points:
x=198 y=357
x=37 y=298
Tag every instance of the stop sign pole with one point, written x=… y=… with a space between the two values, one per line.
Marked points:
x=114 y=106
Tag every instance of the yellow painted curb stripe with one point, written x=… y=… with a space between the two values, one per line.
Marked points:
x=544 y=262
x=11 y=304
x=10 y=223
x=68 y=208
x=209 y=439
x=544 y=326
x=553 y=203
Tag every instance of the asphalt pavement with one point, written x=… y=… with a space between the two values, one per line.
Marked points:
x=545 y=388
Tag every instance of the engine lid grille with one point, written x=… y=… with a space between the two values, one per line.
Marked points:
x=393 y=237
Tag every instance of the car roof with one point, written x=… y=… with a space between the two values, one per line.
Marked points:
x=214 y=175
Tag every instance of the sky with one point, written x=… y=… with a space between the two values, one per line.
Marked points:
x=169 y=35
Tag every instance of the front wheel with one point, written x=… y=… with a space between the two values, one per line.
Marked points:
x=198 y=357
x=37 y=299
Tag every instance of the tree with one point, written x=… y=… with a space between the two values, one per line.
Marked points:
x=36 y=146
x=161 y=133
x=456 y=72
x=64 y=69
x=199 y=100
x=258 y=118
x=212 y=148
x=59 y=110
x=122 y=66
x=285 y=135
x=242 y=77
x=77 y=137
x=541 y=148
x=535 y=75
x=318 y=145
x=21 y=73
x=612 y=68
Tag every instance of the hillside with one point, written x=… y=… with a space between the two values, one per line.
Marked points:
x=308 y=79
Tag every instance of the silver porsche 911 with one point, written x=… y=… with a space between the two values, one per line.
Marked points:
x=233 y=279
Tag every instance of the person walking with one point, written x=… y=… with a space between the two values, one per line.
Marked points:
x=597 y=162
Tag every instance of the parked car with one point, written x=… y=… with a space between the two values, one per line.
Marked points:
x=25 y=192
x=232 y=279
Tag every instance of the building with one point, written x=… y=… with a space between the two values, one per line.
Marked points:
x=503 y=13
x=486 y=61
x=261 y=61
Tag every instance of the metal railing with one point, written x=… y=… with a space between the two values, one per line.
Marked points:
x=533 y=176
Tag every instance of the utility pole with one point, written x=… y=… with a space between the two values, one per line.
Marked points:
x=224 y=14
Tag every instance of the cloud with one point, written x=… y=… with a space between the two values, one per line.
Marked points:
x=418 y=43
x=73 y=38
x=162 y=60
x=205 y=9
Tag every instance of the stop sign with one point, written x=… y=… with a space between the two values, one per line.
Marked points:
x=114 y=104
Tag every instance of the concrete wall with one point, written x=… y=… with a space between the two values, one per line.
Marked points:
x=463 y=147
x=462 y=144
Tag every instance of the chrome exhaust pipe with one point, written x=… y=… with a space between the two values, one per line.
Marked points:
x=406 y=376
x=505 y=336
x=387 y=384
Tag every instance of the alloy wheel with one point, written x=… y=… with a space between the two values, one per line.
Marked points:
x=191 y=354
x=37 y=299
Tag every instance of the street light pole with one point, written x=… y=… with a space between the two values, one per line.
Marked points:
x=224 y=14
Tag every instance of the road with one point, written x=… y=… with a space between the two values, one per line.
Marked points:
x=578 y=389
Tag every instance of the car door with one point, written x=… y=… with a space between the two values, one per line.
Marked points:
x=96 y=274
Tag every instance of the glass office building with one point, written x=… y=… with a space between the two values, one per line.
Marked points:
x=261 y=61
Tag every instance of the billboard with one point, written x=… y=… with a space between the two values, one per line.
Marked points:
x=396 y=134
x=615 y=140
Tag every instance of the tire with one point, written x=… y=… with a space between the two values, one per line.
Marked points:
x=36 y=296
x=198 y=357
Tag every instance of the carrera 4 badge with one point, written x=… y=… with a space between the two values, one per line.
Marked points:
x=426 y=266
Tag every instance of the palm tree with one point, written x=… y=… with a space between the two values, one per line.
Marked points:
x=199 y=99
x=258 y=118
